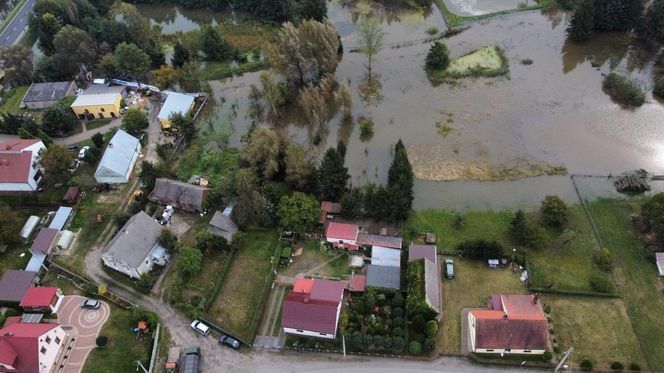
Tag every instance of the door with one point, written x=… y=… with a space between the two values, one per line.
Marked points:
x=101 y=116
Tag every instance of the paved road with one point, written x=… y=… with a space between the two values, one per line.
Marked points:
x=14 y=30
x=86 y=135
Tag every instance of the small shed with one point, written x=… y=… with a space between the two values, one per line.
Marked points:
x=43 y=241
x=175 y=103
x=66 y=237
x=72 y=195
x=659 y=257
x=29 y=227
x=36 y=263
x=61 y=218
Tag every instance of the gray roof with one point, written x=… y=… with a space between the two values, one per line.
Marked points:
x=185 y=196
x=222 y=225
x=60 y=218
x=175 y=103
x=95 y=99
x=35 y=263
x=50 y=91
x=117 y=159
x=432 y=285
x=135 y=240
x=103 y=88
x=383 y=277
x=383 y=256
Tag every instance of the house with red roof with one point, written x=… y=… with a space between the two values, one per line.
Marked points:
x=30 y=347
x=513 y=324
x=342 y=235
x=42 y=300
x=313 y=308
x=19 y=165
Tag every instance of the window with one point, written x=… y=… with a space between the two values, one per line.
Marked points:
x=301 y=331
x=322 y=333
x=43 y=350
x=489 y=350
x=527 y=351
x=102 y=110
x=146 y=262
x=48 y=339
x=57 y=340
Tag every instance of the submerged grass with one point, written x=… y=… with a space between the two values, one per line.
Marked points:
x=489 y=61
x=454 y=20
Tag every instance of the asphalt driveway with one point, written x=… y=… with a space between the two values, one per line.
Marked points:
x=85 y=327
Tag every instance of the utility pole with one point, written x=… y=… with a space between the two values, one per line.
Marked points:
x=565 y=357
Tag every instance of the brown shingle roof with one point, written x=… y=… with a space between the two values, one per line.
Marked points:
x=500 y=333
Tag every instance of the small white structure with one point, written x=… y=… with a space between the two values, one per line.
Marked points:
x=119 y=159
x=659 y=257
x=19 y=165
x=66 y=237
x=29 y=227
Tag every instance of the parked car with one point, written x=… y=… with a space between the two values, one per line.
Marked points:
x=92 y=304
x=449 y=268
x=81 y=153
x=229 y=341
x=200 y=327
x=190 y=360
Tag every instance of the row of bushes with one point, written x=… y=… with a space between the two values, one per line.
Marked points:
x=624 y=90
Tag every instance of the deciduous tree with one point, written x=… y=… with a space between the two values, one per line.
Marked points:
x=652 y=27
x=130 y=60
x=298 y=167
x=180 y=55
x=134 y=121
x=371 y=39
x=555 y=212
x=74 y=47
x=166 y=76
x=10 y=224
x=298 y=213
x=16 y=62
x=48 y=28
x=262 y=153
x=56 y=162
x=189 y=261
x=58 y=120
x=344 y=99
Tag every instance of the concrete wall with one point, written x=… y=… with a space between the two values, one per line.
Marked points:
x=107 y=111
x=113 y=262
x=56 y=336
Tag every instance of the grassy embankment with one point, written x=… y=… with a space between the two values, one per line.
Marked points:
x=576 y=320
x=454 y=20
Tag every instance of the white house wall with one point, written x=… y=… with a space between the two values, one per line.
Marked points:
x=112 y=262
x=309 y=333
x=47 y=359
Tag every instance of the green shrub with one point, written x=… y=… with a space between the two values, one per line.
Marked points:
x=481 y=249
x=547 y=309
x=551 y=331
x=556 y=349
x=101 y=341
x=658 y=89
x=433 y=30
x=415 y=348
x=10 y=312
x=398 y=344
x=431 y=328
x=366 y=127
x=554 y=212
x=616 y=365
x=438 y=57
x=623 y=90
x=547 y=356
x=601 y=284
x=429 y=345
x=635 y=367
x=586 y=365
x=603 y=259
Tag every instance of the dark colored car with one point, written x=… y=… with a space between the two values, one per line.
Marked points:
x=92 y=304
x=229 y=341
x=449 y=268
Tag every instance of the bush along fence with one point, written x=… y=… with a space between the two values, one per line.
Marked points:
x=90 y=287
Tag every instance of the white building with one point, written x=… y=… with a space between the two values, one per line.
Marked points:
x=19 y=165
x=30 y=347
x=119 y=159
x=134 y=249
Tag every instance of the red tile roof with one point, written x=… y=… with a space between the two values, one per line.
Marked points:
x=15 y=166
x=17 y=144
x=330 y=207
x=342 y=231
x=39 y=297
x=19 y=343
x=429 y=252
x=43 y=240
x=303 y=285
x=518 y=306
x=315 y=311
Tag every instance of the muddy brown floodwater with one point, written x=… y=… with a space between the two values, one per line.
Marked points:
x=552 y=112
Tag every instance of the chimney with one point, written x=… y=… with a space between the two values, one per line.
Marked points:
x=536 y=298
x=306 y=300
x=110 y=144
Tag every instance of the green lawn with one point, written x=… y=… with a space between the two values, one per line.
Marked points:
x=123 y=350
x=326 y=262
x=566 y=268
x=634 y=275
x=96 y=123
x=599 y=329
x=237 y=307
x=471 y=287
x=12 y=100
x=454 y=20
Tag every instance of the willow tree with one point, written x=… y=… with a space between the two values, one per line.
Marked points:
x=344 y=99
x=305 y=52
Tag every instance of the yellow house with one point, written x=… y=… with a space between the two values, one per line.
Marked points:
x=175 y=103
x=102 y=105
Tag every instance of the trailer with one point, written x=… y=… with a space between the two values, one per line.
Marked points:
x=173 y=359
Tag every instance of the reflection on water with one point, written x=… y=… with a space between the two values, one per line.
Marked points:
x=469 y=8
x=172 y=19
x=552 y=111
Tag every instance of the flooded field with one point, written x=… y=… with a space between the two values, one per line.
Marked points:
x=552 y=113
x=481 y=7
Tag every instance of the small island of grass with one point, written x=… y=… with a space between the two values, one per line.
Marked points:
x=487 y=61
